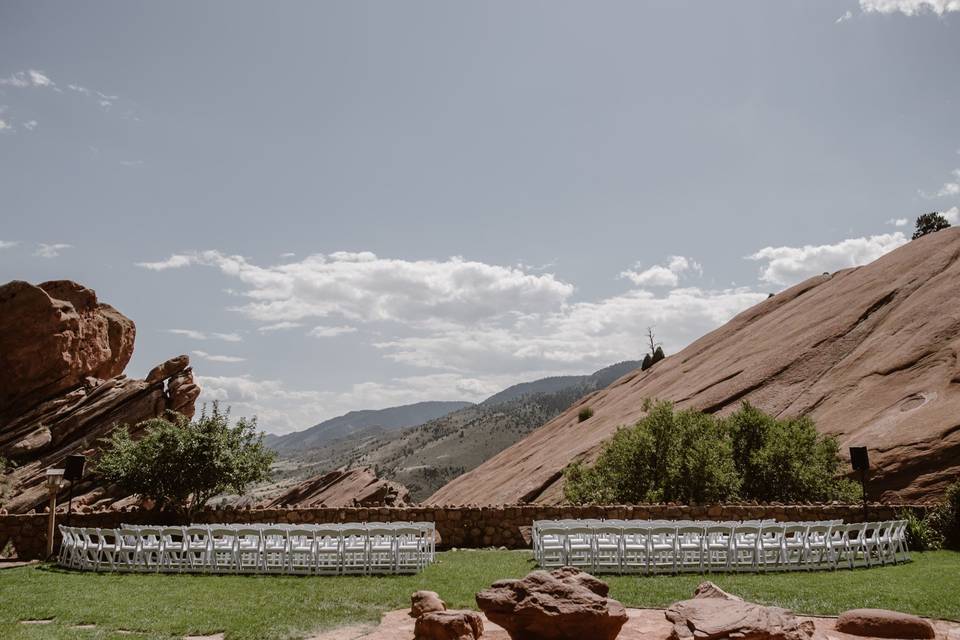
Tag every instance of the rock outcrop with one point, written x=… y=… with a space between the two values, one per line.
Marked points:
x=564 y=604
x=713 y=614
x=880 y=623
x=358 y=487
x=871 y=353
x=62 y=388
x=448 y=625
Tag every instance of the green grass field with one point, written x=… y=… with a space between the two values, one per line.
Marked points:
x=286 y=607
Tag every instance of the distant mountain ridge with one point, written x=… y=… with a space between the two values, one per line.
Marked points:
x=426 y=456
x=389 y=419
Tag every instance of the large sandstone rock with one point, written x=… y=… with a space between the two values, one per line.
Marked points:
x=880 y=623
x=564 y=604
x=422 y=602
x=872 y=354
x=343 y=488
x=53 y=337
x=448 y=625
x=714 y=614
x=62 y=355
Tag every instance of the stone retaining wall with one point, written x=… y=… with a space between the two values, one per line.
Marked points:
x=469 y=526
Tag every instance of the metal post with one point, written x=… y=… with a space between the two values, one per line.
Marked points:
x=51 y=523
x=863 y=485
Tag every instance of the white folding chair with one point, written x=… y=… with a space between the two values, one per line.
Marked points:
x=173 y=549
x=198 y=554
x=273 y=549
x=718 y=545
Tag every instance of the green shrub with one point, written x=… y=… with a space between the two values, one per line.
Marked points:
x=930 y=223
x=945 y=517
x=693 y=457
x=585 y=414
x=669 y=456
x=921 y=534
x=181 y=464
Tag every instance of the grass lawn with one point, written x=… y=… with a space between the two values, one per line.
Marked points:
x=282 y=607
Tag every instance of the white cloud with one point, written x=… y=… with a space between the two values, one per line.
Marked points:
x=30 y=125
x=952 y=215
x=5 y=126
x=200 y=335
x=363 y=287
x=6 y=244
x=281 y=410
x=29 y=78
x=216 y=358
x=898 y=222
x=321 y=331
x=279 y=326
x=910 y=7
x=950 y=188
x=789 y=265
x=50 y=250
x=846 y=16
x=662 y=275
x=173 y=262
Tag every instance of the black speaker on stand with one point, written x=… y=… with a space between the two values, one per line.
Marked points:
x=860 y=461
x=73 y=468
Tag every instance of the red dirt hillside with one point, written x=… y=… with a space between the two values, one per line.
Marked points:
x=871 y=353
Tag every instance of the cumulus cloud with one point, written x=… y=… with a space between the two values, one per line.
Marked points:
x=30 y=125
x=951 y=187
x=281 y=409
x=50 y=250
x=216 y=358
x=200 y=335
x=667 y=275
x=364 y=287
x=279 y=326
x=846 y=16
x=321 y=331
x=28 y=78
x=6 y=244
x=789 y=265
x=5 y=126
x=910 y=7
x=952 y=215
x=898 y=222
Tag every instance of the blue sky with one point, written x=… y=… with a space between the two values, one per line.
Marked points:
x=349 y=205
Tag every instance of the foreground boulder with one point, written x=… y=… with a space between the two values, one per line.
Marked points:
x=62 y=388
x=564 y=604
x=449 y=625
x=880 y=623
x=422 y=602
x=713 y=614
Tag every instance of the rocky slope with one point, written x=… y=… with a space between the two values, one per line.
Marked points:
x=342 y=488
x=62 y=388
x=872 y=354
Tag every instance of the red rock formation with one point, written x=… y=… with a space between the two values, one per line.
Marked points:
x=62 y=355
x=564 y=604
x=872 y=354
x=343 y=488
x=713 y=614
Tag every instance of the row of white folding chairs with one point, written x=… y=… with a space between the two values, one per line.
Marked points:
x=322 y=550
x=550 y=538
x=610 y=548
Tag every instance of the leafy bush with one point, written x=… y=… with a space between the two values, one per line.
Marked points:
x=921 y=534
x=182 y=464
x=693 y=457
x=787 y=460
x=945 y=517
x=669 y=456
x=585 y=414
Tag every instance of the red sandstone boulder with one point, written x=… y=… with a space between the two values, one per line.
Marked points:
x=448 y=625
x=714 y=614
x=422 y=602
x=53 y=337
x=565 y=604
x=880 y=623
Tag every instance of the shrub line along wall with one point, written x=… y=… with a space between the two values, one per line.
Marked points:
x=463 y=526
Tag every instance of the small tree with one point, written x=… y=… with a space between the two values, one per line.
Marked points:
x=930 y=223
x=182 y=464
x=655 y=354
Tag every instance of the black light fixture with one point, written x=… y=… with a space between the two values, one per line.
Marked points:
x=860 y=461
